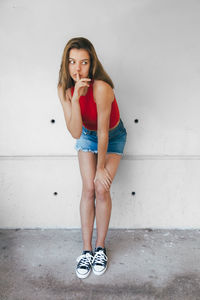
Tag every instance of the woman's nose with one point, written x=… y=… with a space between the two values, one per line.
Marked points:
x=78 y=67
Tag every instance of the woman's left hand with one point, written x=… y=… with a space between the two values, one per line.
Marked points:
x=104 y=177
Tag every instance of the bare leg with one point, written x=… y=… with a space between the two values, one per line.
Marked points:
x=103 y=200
x=87 y=164
x=103 y=213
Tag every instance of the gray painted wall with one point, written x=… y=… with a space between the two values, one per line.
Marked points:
x=151 y=49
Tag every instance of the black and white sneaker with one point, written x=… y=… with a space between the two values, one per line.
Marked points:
x=84 y=265
x=99 y=264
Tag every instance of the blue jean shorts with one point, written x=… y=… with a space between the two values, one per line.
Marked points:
x=88 y=140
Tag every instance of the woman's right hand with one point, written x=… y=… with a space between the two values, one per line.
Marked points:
x=80 y=86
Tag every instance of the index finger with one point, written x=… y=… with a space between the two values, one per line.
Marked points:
x=77 y=76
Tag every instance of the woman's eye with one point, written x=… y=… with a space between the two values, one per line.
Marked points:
x=73 y=62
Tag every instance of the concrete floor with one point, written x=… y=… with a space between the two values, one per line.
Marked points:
x=143 y=264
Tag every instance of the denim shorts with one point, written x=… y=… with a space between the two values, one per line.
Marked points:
x=88 y=140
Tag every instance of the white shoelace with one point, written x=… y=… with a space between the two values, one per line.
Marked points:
x=100 y=258
x=85 y=260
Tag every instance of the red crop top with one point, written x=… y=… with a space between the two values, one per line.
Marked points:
x=89 y=110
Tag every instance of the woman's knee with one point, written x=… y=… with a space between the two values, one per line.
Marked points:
x=100 y=190
x=89 y=190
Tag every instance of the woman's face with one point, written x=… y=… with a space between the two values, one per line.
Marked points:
x=79 y=62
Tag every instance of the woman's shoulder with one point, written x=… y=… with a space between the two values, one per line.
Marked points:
x=101 y=84
x=101 y=87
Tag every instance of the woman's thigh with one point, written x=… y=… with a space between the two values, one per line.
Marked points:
x=87 y=165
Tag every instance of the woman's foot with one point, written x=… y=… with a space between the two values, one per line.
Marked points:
x=84 y=265
x=99 y=264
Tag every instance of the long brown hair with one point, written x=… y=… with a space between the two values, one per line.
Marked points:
x=96 y=70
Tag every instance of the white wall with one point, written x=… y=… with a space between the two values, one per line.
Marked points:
x=151 y=49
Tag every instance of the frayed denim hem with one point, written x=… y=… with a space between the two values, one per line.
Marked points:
x=95 y=151
x=115 y=153
x=86 y=150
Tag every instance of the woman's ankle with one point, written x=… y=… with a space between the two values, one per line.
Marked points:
x=87 y=248
x=102 y=245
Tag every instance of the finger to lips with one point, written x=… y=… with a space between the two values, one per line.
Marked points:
x=77 y=76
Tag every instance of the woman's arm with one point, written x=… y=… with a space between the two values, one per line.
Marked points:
x=72 y=112
x=104 y=97
x=71 y=106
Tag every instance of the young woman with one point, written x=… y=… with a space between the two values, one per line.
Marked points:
x=92 y=117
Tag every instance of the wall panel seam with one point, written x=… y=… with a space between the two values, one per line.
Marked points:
x=125 y=157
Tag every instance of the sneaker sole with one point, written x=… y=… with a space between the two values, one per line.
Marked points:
x=82 y=276
x=99 y=273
